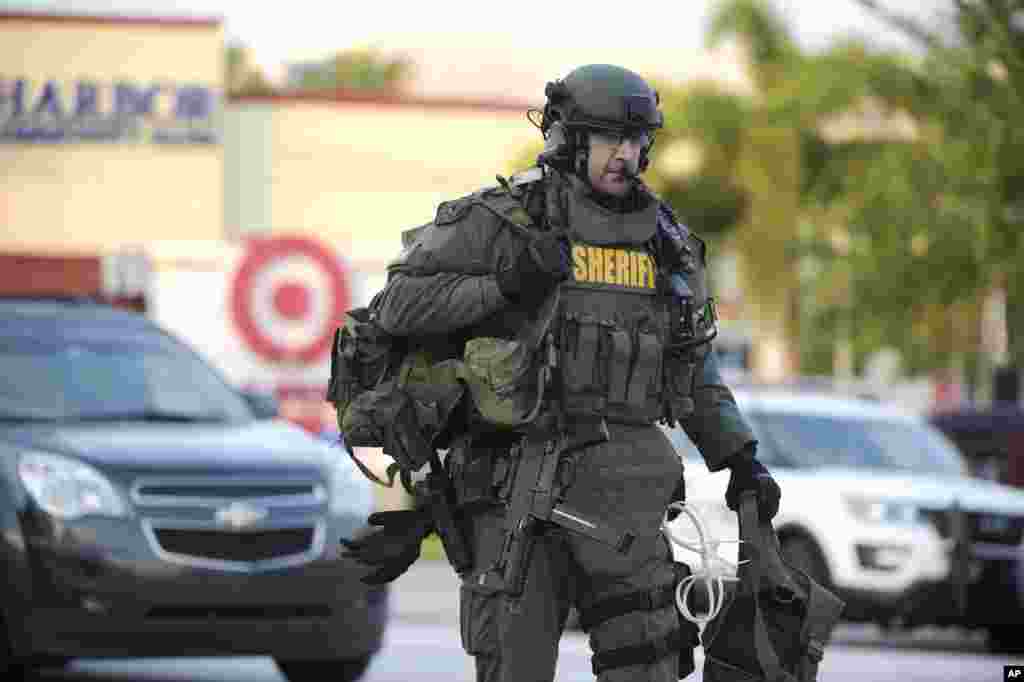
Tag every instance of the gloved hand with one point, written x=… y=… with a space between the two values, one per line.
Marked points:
x=746 y=473
x=391 y=544
x=542 y=262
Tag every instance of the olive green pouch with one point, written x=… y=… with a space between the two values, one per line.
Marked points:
x=503 y=380
x=507 y=377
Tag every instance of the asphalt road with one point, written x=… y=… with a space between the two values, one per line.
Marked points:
x=422 y=644
x=431 y=653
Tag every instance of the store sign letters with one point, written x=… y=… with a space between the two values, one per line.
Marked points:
x=55 y=111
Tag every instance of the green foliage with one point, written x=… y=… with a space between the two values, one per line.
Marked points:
x=357 y=70
x=526 y=157
x=241 y=75
x=759 y=25
x=968 y=99
x=708 y=204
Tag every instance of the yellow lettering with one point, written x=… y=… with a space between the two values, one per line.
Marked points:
x=643 y=269
x=609 y=266
x=595 y=263
x=622 y=267
x=579 y=262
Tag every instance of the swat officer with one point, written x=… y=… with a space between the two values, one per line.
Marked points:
x=631 y=337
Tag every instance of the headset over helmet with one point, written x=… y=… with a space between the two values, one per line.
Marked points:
x=596 y=97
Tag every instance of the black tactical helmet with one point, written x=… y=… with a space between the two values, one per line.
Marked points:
x=598 y=97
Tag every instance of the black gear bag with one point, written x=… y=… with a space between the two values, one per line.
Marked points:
x=775 y=625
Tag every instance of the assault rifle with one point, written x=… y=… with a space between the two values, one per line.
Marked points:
x=534 y=500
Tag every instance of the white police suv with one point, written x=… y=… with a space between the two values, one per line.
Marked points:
x=877 y=504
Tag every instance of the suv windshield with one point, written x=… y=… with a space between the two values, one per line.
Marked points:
x=819 y=441
x=90 y=380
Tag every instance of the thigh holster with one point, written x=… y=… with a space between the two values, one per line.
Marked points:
x=680 y=641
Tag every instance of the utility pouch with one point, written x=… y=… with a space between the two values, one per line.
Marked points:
x=646 y=370
x=619 y=382
x=501 y=375
x=409 y=415
x=584 y=363
x=360 y=356
x=386 y=417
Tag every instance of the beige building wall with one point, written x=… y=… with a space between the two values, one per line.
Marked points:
x=357 y=174
x=88 y=196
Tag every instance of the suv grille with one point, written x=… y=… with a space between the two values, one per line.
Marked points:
x=233 y=523
x=999 y=529
x=184 y=491
x=235 y=546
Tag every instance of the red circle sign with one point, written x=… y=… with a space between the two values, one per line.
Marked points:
x=291 y=300
x=287 y=298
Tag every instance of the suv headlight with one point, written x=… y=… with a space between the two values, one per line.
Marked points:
x=67 y=488
x=873 y=510
x=350 y=491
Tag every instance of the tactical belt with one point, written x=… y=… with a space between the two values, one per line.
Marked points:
x=641 y=654
x=643 y=600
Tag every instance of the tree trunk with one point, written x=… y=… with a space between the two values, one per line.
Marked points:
x=1015 y=318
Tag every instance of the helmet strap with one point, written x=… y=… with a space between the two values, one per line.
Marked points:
x=581 y=154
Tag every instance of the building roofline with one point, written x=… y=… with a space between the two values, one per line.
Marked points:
x=110 y=20
x=388 y=99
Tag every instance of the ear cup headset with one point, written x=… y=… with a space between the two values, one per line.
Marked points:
x=595 y=98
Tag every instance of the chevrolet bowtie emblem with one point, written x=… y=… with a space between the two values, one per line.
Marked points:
x=238 y=515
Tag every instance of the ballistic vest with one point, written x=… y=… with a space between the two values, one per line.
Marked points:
x=618 y=318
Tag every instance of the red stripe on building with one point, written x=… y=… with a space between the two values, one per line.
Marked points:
x=111 y=20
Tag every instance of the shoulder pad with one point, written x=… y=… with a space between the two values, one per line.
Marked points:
x=453 y=211
x=495 y=198
x=506 y=207
x=409 y=236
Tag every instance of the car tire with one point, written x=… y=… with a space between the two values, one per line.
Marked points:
x=336 y=670
x=1005 y=639
x=6 y=656
x=12 y=668
x=803 y=553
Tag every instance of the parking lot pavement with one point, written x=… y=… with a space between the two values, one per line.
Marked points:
x=427 y=593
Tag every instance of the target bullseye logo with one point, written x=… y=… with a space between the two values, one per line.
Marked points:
x=287 y=297
x=291 y=301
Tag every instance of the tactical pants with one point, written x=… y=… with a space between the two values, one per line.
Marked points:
x=626 y=482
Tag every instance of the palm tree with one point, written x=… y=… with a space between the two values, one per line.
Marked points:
x=776 y=167
x=758 y=152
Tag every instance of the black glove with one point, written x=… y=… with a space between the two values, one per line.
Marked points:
x=391 y=544
x=541 y=263
x=746 y=473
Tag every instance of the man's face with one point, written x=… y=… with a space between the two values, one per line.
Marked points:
x=610 y=155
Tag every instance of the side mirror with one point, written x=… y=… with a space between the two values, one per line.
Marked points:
x=263 y=405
